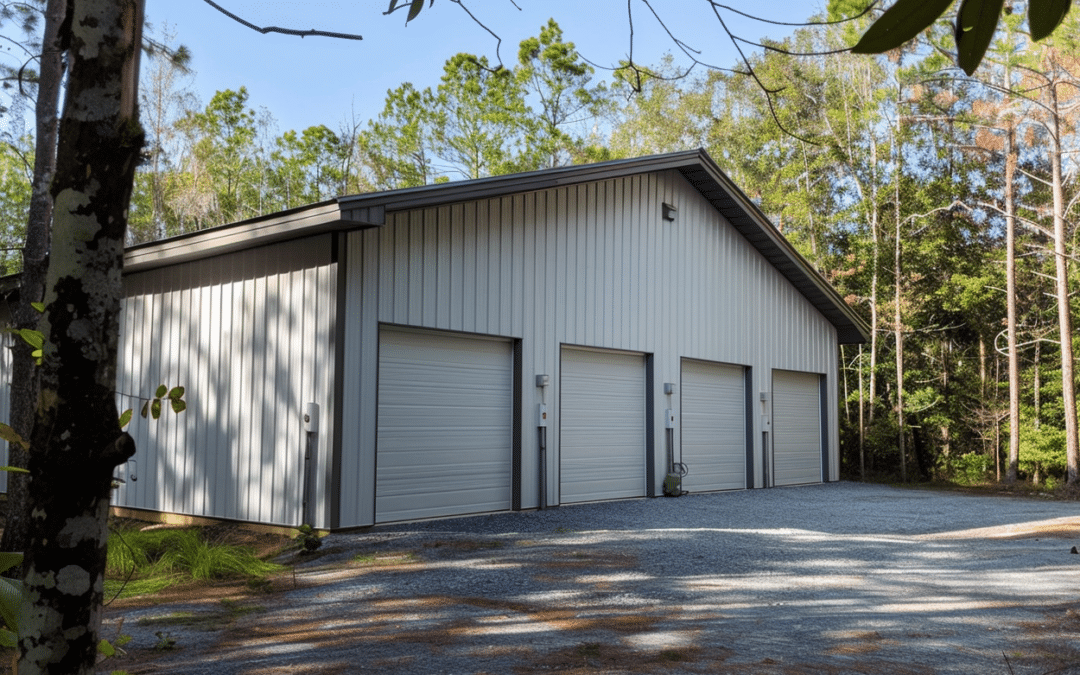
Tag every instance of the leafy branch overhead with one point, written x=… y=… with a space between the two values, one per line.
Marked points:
x=976 y=22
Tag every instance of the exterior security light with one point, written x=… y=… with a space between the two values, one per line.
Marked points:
x=669 y=211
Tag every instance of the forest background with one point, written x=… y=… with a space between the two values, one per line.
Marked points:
x=896 y=176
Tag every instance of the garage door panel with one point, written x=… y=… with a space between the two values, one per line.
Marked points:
x=796 y=427
x=713 y=427
x=602 y=426
x=444 y=427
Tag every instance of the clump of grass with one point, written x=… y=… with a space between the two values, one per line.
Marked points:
x=385 y=559
x=156 y=559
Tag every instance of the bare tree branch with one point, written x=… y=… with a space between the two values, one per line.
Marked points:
x=796 y=23
x=480 y=23
x=284 y=31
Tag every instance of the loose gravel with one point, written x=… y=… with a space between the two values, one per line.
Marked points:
x=836 y=578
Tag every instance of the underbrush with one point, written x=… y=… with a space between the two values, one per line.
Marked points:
x=149 y=560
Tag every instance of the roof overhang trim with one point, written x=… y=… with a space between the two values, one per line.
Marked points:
x=284 y=226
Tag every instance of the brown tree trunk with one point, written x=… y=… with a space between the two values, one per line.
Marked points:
x=76 y=440
x=24 y=372
x=1068 y=383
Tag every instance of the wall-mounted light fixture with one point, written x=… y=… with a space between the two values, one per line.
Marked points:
x=669 y=211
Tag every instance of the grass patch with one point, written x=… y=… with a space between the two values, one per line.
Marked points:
x=158 y=558
x=385 y=559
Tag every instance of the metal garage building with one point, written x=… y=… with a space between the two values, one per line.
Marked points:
x=482 y=346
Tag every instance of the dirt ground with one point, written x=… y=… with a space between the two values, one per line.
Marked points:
x=1000 y=598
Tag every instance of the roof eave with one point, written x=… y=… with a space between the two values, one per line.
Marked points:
x=713 y=184
x=283 y=226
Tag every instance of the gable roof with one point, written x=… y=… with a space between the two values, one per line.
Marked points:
x=369 y=210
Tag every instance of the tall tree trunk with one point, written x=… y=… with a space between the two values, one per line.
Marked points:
x=77 y=442
x=898 y=326
x=1011 y=156
x=1068 y=383
x=874 y=272
x=24 y=372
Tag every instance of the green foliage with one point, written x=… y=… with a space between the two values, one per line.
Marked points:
x=415 y=6
x=308 y=539
x=1042 y=450
x=11 y=436
x=976 y=24
x=16 y=158
x=174 y=396
x=11 y=600
x=162 y=557
x=970 y=468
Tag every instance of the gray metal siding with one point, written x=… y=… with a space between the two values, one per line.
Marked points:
x=250 y=337
x=590 y=264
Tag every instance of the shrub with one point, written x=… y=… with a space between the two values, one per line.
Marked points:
x=970 y=468
x=182 y=554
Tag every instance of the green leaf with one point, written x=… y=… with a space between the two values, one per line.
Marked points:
x=414 y=10
x=176 y=393
x=125 y=418
x=13 y=469
x=11 y=436
x=39 y=306
x=1046 y=15
x=11 y=599
x=178 y=406
x=9 y=560
x=975 y=26
x=145 y=409
x=8 y=639
x=34 y=338
x=105 y=648
x=155 y=408
x=161 y=391
x=900 y=23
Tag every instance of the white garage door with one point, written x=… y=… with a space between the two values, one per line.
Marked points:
x=602 y=426
x=796 y=427
x=445 y=425
x=713 y=426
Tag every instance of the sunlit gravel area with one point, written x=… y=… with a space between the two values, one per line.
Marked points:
x=836 y=578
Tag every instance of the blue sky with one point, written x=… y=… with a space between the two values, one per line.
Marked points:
x=315 y=80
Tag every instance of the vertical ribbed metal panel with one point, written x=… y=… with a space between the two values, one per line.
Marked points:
x=713 y=426
x=796 y=427
x=602 y=432
x=590 y=264
x=444 y=425
x=249 y=335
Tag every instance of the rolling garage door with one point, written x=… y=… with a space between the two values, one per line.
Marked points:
x=796 y=427
x=602 y=425
x=445 y=425
x=713 y=426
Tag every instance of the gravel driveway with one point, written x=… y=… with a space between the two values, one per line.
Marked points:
x=837 y=578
